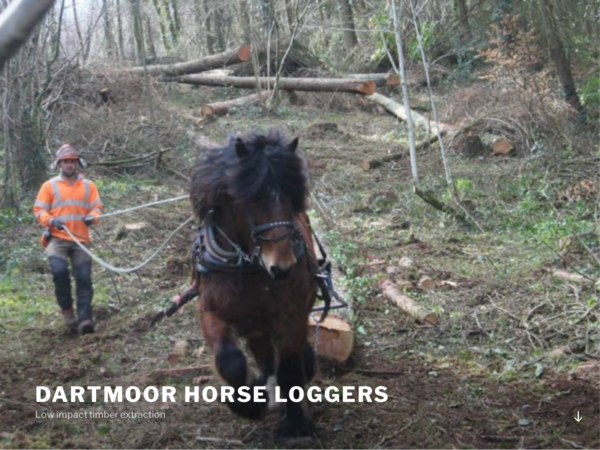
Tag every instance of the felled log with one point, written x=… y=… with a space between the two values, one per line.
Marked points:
x=407 y=304
x=222 y=108
x=570 y=277
x=227 y=58
x=380 y=79
x=502 y=147
x=286 y=84
x=398 y=110
x=336 y=337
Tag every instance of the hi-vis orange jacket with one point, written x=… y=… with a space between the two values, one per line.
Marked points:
x=58 y=199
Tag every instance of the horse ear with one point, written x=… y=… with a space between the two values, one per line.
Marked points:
x=241 y=149
x=292 y=146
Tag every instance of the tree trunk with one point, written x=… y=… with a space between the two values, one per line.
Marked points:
x=176 y=20
x=350 y=39
x=108 y=39
x=462 y=13
x=148 y=35
x=222 y=108
x=121 y=41
x=172 y=22
x=236 y=56
x=559 y=57
x=219 y=26
x=77 y=29
x=210 y=38
x=380 y=79
x=58 y=32
x=137 y=30
x=290 y=13
x=399 y=111
x=287 y=84
x=163 y=22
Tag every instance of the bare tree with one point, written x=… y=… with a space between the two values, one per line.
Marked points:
x=559 y=57
x=401 y=70
x=120 y=40
x=108 y=37
x=137 y=28
x=462 y=13
x=350 y=39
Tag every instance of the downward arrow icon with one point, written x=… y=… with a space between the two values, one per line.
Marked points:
x=578 y=417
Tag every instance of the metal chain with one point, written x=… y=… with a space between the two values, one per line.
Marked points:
x=317 y=333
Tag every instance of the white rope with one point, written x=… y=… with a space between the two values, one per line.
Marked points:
x=130 y=269
x=169 y=200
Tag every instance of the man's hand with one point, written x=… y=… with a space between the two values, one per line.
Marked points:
x=57 y=223
x=88 y=220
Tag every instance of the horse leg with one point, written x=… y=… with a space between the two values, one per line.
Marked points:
x=229 y=360
x=263 y=350
x=291 y=373
x=310 y=362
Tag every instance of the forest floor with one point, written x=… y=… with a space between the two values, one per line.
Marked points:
x=482 y=378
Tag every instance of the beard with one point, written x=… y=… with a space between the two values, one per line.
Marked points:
x=68 y=172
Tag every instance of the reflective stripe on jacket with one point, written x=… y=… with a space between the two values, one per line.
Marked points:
x=58 y=199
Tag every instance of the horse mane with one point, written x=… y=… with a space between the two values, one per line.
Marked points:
x=273 y=165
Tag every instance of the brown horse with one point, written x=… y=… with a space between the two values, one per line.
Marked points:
x=256 y=262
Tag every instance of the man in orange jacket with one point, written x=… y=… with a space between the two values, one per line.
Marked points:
x=70 y=201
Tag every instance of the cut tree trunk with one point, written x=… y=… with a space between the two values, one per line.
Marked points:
x=380 y=79
x=336 y=337
x=222 y=108
x=228 y=58
x=286 y=84
x=407 y=304
x=397 y=109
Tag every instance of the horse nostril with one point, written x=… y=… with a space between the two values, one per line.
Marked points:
x=278 y=273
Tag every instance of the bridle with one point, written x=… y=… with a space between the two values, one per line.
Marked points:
x=291 y=232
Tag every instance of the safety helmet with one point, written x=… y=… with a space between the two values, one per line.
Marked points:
x=67 y=151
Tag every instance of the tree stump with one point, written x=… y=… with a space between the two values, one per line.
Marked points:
x=468 y=144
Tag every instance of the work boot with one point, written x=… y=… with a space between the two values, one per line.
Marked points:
x=86 y=327
x=70 y=319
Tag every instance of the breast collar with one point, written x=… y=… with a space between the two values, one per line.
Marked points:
x=209 y=256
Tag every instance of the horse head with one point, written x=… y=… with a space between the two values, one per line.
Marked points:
x=257 y=185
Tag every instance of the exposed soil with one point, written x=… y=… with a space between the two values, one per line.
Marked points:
x=446 y=386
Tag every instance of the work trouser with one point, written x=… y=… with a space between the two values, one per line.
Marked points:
x=59 y=252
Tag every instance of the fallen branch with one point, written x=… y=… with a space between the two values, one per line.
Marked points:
x=368 y=164
x=220 y=441
x=222 y=108
x=407 y=304
x=570 y=277
x=429 y=198
x=286 y=84
x=228 y=58
x=397 y=109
